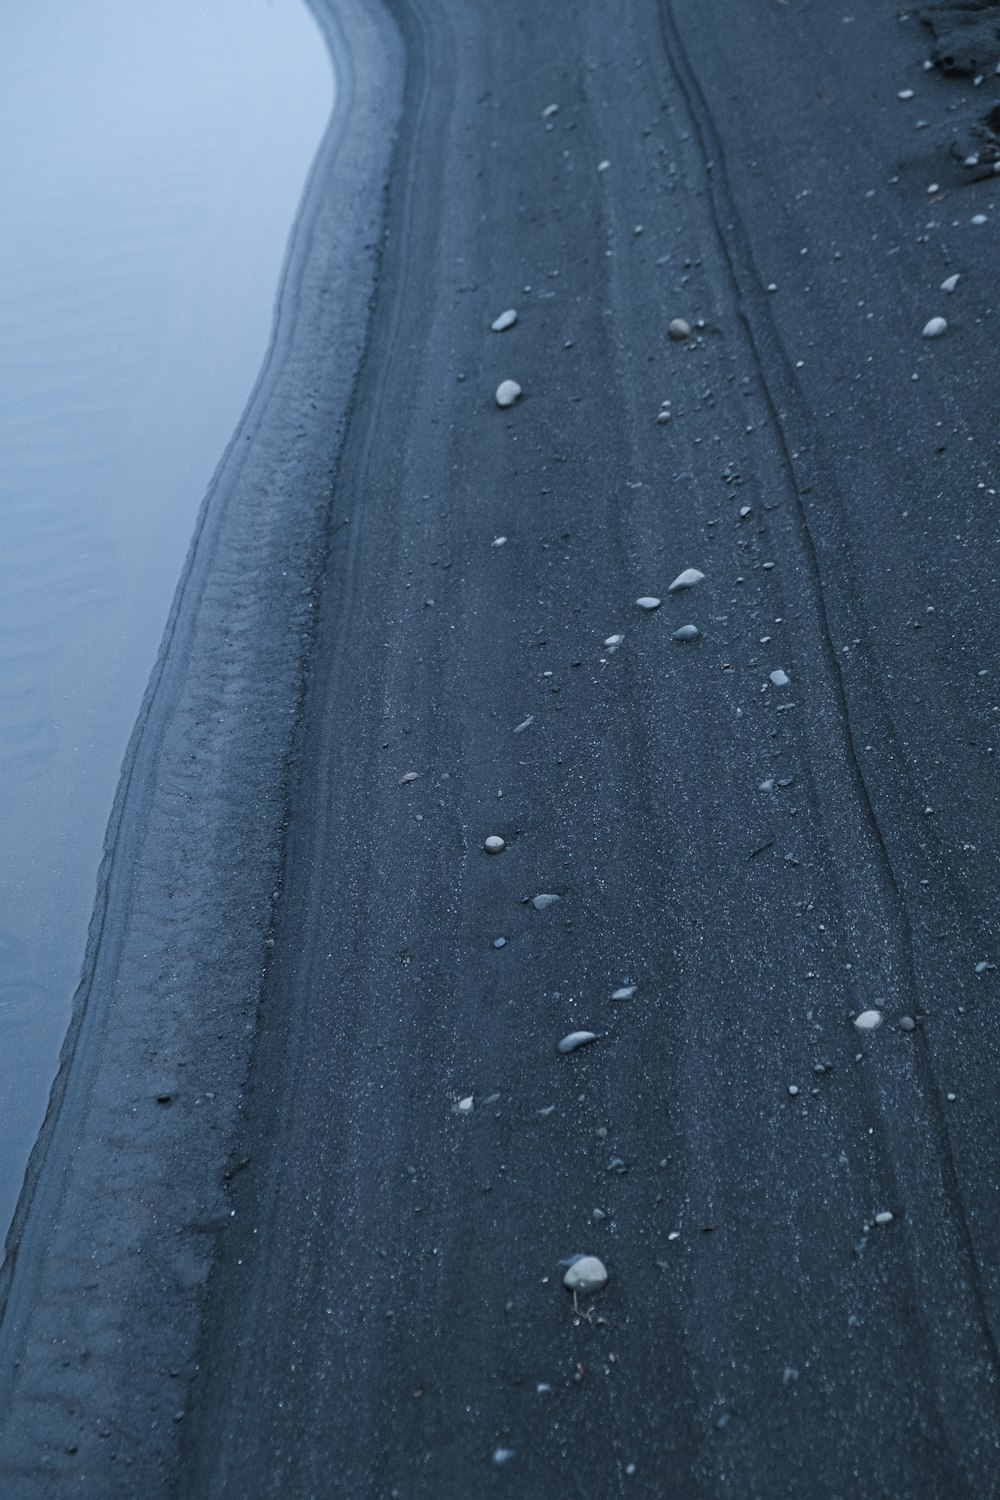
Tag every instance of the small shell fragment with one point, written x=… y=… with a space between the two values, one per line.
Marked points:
x=586 y=1275
x=868 y=1020
x=508 y=391
x=686 y=580
x=575 y=1039
x=935 y=328
x=494 y=844
x=679 y=329
x=504 y=321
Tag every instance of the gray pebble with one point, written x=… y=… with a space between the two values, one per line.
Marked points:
x=625 y=993
x=508 y=391
x=649 y=601
x=679 y=329
x=686 y=580
x=502 y=1456
x=586 y=1275
x=780 y=678
x=907 y=1023
x=544 y=900
x=885 y=1217
x=504 y=321
x=494 y=844
x=575 y=1039
x=868 y=1020
x=950 y=283
x=935 y=328
x=687 y=633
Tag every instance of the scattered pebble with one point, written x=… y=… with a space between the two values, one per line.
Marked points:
x=625 y=993
x=410 y=776
x=979 y=219
x=649 y=601
x=679 y=329
x=504 y=321
x=502 y=1456
x=508 y=391
x=613 y=642
x=664 y=417
x=780 y=678
x=465 y=1105
x=602 y=166
x=500 y=942
x=687 y=633
x=524 y=724
x=907 y=1023
x=499 y=541
x=949 y=284
x=549 y=111
x=984 y=966
x=793 y=1089
x=586 y=1275
x=905 y=94
x=573 y=1040
x=935 y=328
x=544 y=900
x=494 y=844
x=868 y=1020
x=885 y=1217
x=686 y=580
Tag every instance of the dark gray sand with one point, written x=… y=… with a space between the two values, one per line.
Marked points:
x=317 y=1165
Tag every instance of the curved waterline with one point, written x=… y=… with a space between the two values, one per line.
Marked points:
x=156 y=160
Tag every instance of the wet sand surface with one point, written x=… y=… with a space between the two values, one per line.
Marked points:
x=299 y=1220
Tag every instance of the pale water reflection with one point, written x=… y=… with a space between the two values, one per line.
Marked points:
x=152 y=157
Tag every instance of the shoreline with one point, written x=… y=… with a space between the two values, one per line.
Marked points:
x=174 y=945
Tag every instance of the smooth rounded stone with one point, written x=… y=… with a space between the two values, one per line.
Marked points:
x=935 y=328
x=494 y=844
x=679 y=329
x=625 y=993
x=504 y=321
x=508 y=391
x=780 y=678
x=950 y=283
x=545 y=899
x=885 y=1217
x=664 y=417
x=502 y=1456
x=500 y=942
x=576 y=1039
x=907 y=1023
x=649 y=601
x=499 y=541
x=687 y=633
x=586 y=1275
x=686 y=580
x=905 y=94
x=465 y=1105
x=613 y=642
x=406 y=780
x=979 y=219
x=793 y=1090
x=868 y=1020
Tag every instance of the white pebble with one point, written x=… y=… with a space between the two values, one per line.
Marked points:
x=780 y=678
x=613 y=642
x=949 y=284
x=465 y=1105
x=885 y=1217
x=686 y=580
x=499 y=541
x=549 y=111
x=506 y=320
x=679 y=329
x=649 y=601
x=935 y=328
x=979 y=219
x=905 y=94
x=869 y=1020
x=508 y=391
x=494 y=845
x=602 y=166
x=586 y=1275
x=625 y=993
x=575 y=1039
x=793 y=1089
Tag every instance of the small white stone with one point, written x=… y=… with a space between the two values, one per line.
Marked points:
x=465 y=1105
x=679 y=329
x=979 y=219
x=905 y=94
x=494 y=845
x=549 y=111
x=613 y=642
x=625 y=993
x=508 y=391
x=885 y=1217
x=934 y=187
x=575 y=1039
x=649 y=601
x=949 y=284
x=868 y=1020
x=793 y=1089
x=544 y=900
x=664 y=417
x=499 y=541
x=686 y=580
x=602 y=166
x=586 y=1275
x=935 y=328
x=504 y=321
x=780 y=679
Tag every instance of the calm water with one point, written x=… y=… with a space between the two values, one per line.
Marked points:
x=152 y=156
